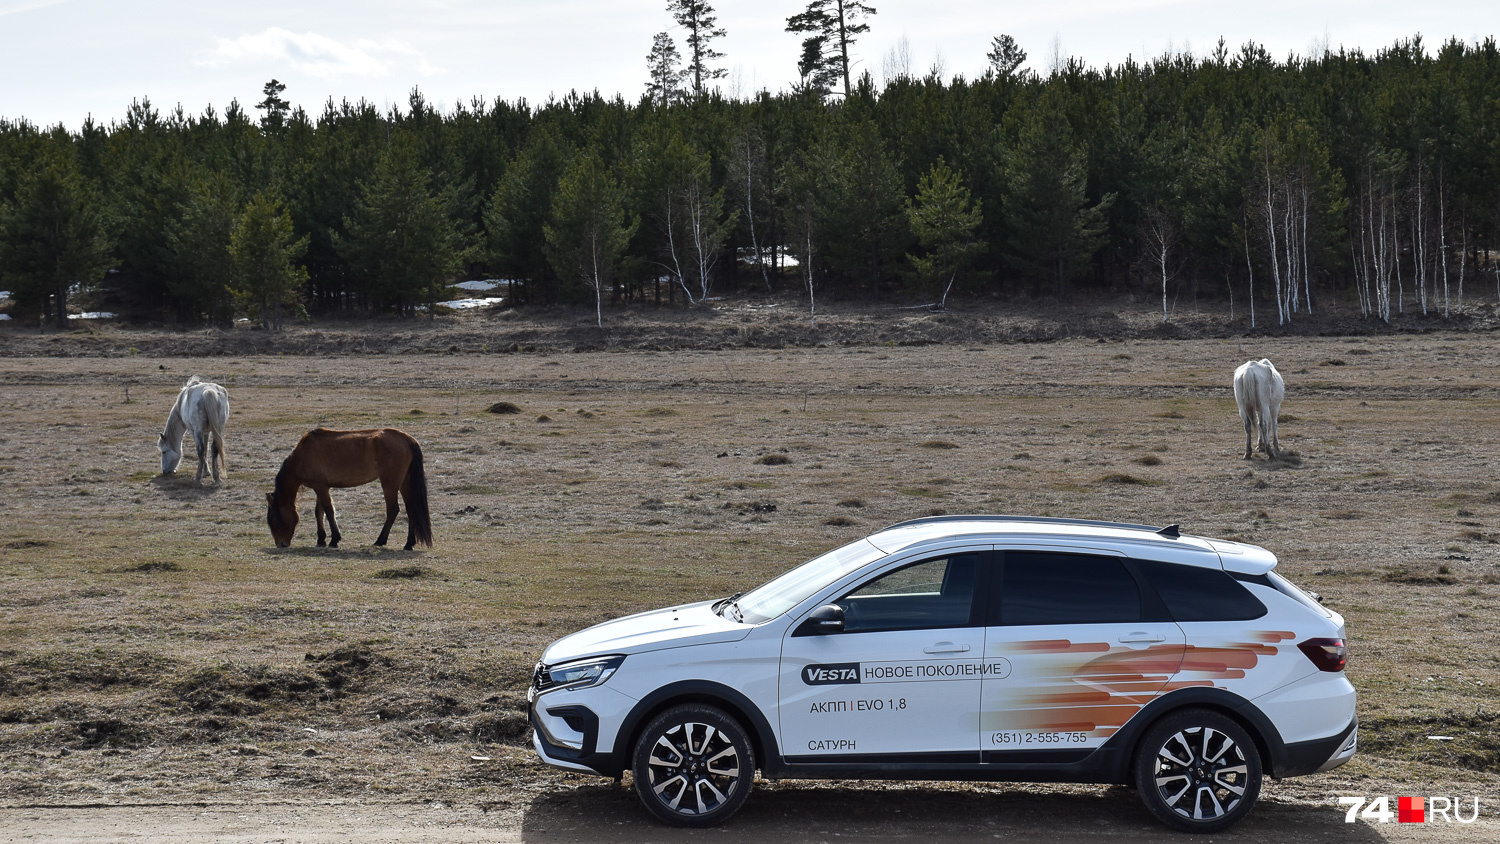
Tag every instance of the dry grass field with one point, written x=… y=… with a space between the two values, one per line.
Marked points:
x=156 y=648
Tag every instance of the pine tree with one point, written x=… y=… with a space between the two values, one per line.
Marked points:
x=274 y=106
x=1053 y=229
x=945 y=221
x=264 y=253
x=835 y=25
x=402 y=237
x=588 y=232
x=199 y=241
x=662 y=66
x=52 y=237
x=518 y=212
x=1006 y=56
x=698 y=18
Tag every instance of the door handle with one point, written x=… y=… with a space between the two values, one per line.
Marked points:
x=1140 y=637
x=945 y=648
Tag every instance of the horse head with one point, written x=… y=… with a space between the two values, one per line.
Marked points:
x=171 y=453
x=282 y=519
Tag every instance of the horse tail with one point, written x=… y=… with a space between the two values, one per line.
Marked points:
x=218 y=420
x=417 y=514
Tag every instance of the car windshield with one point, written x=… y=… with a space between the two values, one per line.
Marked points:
x=775 y=597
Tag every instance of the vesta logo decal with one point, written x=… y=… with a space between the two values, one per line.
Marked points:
x=831 y=674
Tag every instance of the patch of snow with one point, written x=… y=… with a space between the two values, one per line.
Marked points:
x=4 y=317
x=93 y=315
x=465 y=304
x=483 y=285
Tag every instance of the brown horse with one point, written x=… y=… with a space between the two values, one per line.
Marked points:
x=324 y=459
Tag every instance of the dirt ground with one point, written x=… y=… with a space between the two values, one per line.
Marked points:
x=166 y=673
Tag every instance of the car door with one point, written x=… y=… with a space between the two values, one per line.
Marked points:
x=1087 y=648
x=901 y=678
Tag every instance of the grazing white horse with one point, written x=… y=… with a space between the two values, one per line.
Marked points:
x=202 y=407
x=1258 y=390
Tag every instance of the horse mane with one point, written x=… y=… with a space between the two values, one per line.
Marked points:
x=283 y=480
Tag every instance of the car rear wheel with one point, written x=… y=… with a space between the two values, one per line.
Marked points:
x=1198 y=771
x=693 y=766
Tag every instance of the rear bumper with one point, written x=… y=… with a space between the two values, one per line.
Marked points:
x=1318 y=755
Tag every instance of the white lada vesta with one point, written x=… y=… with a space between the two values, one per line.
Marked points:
x=968 y=648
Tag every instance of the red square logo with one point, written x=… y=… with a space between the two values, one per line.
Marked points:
x=1411 y=810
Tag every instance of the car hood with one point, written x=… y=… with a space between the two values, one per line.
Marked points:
x=674 y=627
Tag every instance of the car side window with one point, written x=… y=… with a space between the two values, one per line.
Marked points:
x=1049 y=588
x=1193 y=593
x=932 y=593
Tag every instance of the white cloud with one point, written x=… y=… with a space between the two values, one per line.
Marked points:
x=315 y=55
x=32 y=5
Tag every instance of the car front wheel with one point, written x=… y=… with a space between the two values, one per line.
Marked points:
x=693 y=766
x=1198 y=771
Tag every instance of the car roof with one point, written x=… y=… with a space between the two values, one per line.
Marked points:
x=1141 y=541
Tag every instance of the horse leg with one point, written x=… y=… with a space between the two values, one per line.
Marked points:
x=1273 y=443
x=1247 y=417
x=391 y=509
x=318 y=514
x=325 y=508
x=200 y=438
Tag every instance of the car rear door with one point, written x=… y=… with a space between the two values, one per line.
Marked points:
x=1086 y=648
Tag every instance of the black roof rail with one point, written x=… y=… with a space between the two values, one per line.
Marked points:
x=1041 y=519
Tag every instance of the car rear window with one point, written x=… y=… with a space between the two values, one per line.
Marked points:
x=1193 y=593
x=1043 y=588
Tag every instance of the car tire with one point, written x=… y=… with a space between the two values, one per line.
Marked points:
x=1197 y=770
x=693 y=765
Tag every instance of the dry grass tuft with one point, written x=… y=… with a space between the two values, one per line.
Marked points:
x=774 y=460
x=153 y=565
x=1149 y=460
x=1127 y=480
x=1418 y=578
x=938 y=444
x=1168 y=414
x=402 y=573
x=839 y=521
x=504 y=407
x=660 y=412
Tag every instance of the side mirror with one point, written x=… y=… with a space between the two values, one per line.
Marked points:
x=828 y=618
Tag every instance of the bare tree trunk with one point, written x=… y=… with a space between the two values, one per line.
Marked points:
x=812 y=304
x=750 y=217
x=1443 y=241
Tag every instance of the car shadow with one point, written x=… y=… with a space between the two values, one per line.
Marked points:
x=811 y=811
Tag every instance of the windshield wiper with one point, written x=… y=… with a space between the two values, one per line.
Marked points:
x=729 y=602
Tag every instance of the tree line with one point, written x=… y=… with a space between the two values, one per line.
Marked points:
x=1263 y=186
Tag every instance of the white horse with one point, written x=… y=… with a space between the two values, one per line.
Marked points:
x=1258 y=390
x=202 y=407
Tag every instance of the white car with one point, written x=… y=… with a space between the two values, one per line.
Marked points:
x=967 y=648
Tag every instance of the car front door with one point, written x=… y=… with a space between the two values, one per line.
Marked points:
x=901 y=676
x=1086 y=647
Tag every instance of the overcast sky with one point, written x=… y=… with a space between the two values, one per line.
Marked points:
x=61 y=60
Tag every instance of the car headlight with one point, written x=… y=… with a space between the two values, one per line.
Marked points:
x=578 y=674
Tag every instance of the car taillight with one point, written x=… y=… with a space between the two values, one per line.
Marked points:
x=1327 y=654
